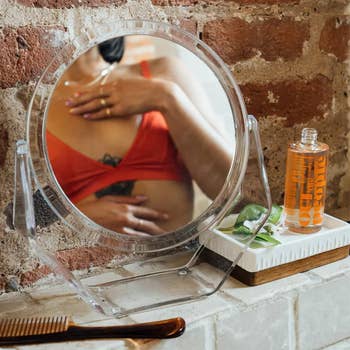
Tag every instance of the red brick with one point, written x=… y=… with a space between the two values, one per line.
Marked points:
x=266 y=2
x=25 y=52
x=59 y=4
x=4 y=143
x=189 y=25
x=174 y=2
x=215 y=2
x=30 y=277
x=83 y=258
x=235 y=39
x=74 y=259
x=296 y=100
x=335 y=37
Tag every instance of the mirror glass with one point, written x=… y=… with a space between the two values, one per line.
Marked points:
x=140 y=135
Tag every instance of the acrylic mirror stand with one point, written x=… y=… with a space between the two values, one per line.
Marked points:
x=179 y=252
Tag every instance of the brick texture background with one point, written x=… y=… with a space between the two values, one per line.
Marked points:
x=290 y=58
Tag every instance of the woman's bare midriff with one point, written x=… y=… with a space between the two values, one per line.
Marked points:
x=172 y=197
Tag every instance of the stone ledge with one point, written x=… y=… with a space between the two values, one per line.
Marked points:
x=323 y=314
x=343 y=345
x=265 y=327
x=304 y=311
x=332 y=270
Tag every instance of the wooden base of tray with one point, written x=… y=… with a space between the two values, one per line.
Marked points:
x=274 y=273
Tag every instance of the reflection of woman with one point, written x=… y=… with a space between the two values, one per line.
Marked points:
x=125 y=151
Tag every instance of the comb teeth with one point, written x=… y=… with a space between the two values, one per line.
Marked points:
x=16 y=327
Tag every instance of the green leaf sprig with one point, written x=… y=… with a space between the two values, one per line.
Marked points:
x=246 y=221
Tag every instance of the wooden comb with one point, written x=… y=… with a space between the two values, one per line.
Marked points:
x=57 y=329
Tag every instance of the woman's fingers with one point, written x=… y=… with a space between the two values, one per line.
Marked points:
x=91 y=106
x=142 y=220
x=130 y=231
x=102 y=113
x=149 y=227
x=84 y=97
x=148 y=213
x=145 y=226
x=125 y=214
x=126 y=199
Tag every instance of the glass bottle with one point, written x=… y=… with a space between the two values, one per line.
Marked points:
x=305 y=186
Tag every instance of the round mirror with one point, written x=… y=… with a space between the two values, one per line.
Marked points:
x=144 y=135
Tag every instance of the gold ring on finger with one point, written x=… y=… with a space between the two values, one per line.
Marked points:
x=108 y=112
x=139 y=224
x=103 y=102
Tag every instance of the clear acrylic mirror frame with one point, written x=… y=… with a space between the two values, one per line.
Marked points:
x=40 y=165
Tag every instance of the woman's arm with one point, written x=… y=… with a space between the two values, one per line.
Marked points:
x=205 y=153
x=174 y=70
x=212 y=152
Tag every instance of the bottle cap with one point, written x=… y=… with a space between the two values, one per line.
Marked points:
x=309 y=136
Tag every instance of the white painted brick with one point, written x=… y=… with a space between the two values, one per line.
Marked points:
x=190 y=312
x=54 y=290
x=108 y=321
x=81 y=345
x=167 y=287
x=159 y=263
x=199 y=336
x=323 y=315
x=13 y=303
x=69 y=305
x=250 y=295
x=334 y=269
x=342 y=345
x=243 y=319
x=101 y=278
x=266 y=327
x=51 y=305
x=214 y=276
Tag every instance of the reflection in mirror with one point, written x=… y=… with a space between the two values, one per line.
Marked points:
x=140 y=135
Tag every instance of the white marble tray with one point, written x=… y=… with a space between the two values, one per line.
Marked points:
x=334 y=234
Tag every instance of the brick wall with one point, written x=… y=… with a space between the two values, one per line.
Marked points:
x=289 y=57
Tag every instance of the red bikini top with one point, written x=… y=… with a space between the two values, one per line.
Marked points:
x=152 y=156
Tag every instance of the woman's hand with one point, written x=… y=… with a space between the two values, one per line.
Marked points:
x=121 y=98
x=124 y=214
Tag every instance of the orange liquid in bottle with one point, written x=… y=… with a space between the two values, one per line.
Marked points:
x=305 y=187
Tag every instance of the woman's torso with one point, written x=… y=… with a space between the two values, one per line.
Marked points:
x=94 y=139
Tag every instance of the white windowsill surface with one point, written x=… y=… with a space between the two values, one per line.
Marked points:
x=309 y=310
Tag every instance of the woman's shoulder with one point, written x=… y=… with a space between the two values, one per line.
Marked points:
x=160 y=67
x=165 y=66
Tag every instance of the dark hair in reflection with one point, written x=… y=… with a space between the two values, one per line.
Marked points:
x=112 y=50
